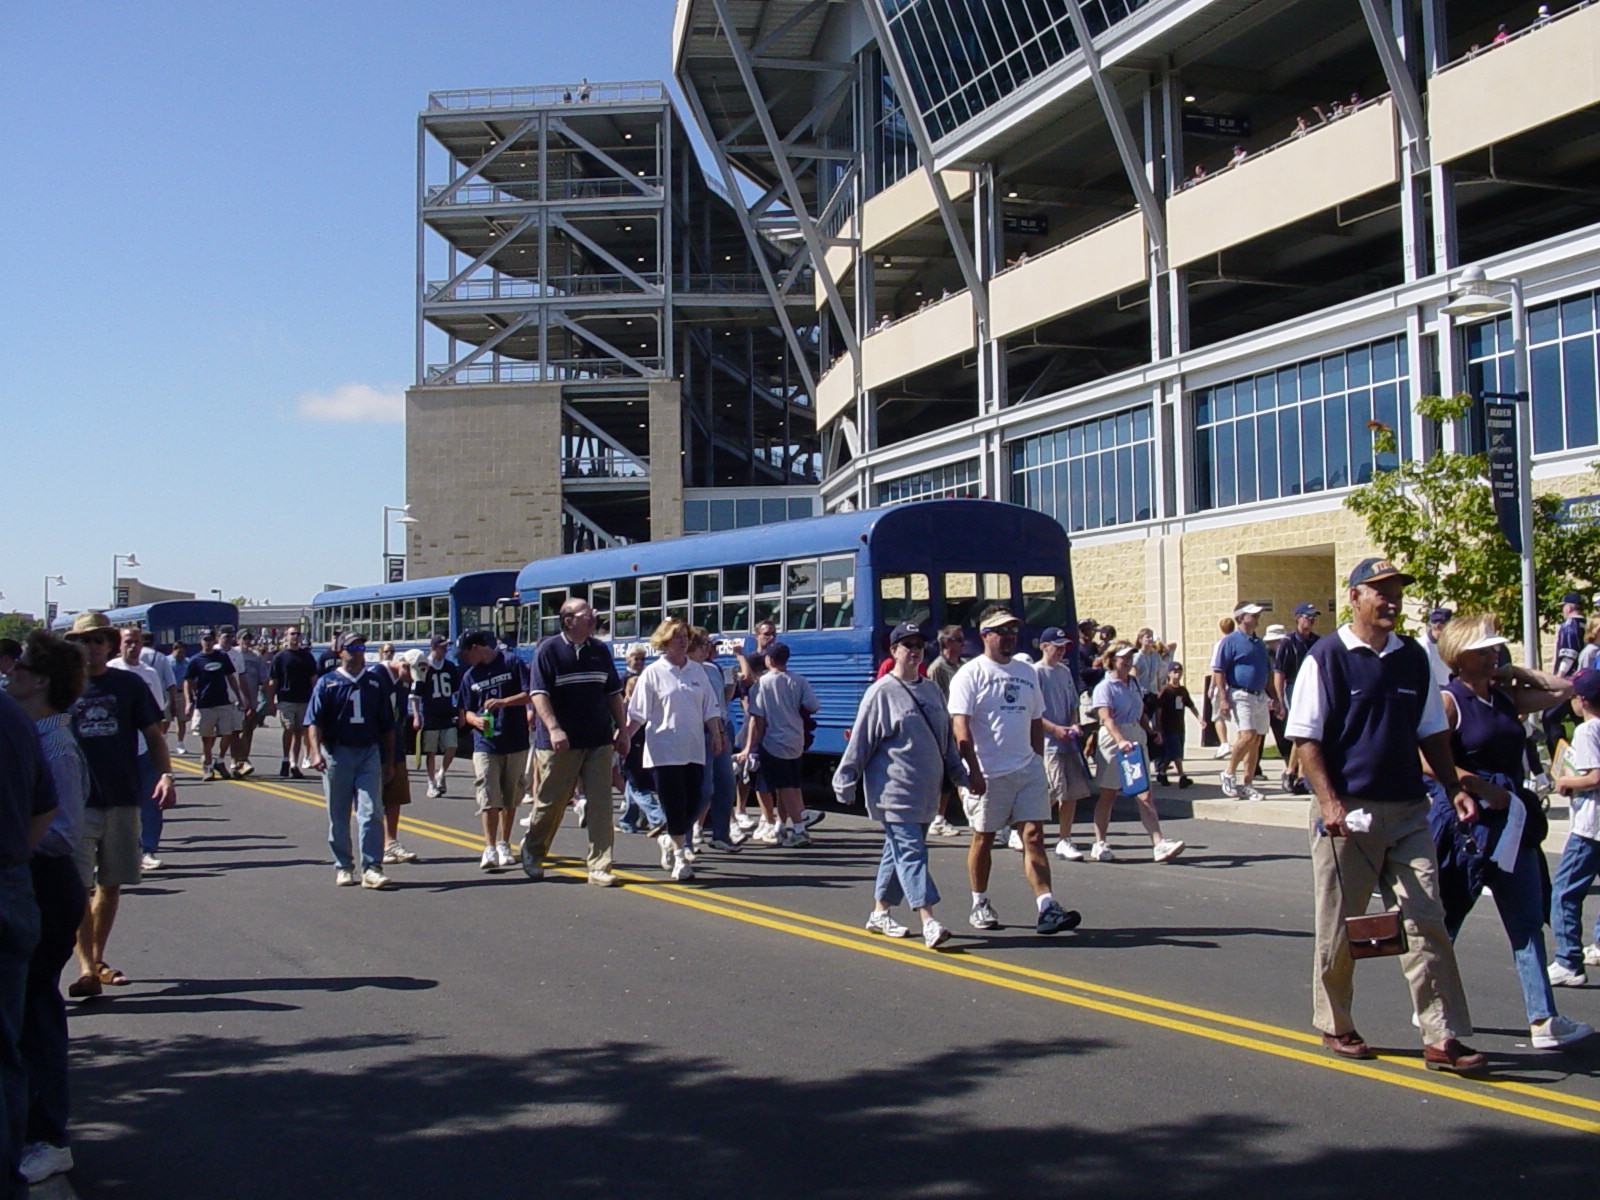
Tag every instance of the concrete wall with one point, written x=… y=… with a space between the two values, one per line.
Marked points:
x=666 y=460
x=483 y=476
x=1069 y=276
x=940 y=331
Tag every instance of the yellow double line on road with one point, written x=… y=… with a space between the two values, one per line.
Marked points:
x=1403 y=1071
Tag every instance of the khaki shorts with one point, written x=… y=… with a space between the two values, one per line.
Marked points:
x=291 y=715
x=437 y=741
x=1067 y=775
x=219 y=721
x=500 y=780
x=108 y=851
x=1010 y=799
x=1252 y=711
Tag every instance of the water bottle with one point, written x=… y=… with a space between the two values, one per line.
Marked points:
x=488 y=724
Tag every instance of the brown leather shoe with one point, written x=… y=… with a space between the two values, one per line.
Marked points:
x=1348 y=1045
x=1454 y=1055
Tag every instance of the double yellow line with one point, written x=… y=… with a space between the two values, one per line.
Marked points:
x=1397 y=1070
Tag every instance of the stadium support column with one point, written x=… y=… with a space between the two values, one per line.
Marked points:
x=666 y=459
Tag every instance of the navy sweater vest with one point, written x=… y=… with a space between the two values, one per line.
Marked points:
x=1369 y=739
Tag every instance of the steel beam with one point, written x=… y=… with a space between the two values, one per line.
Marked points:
x=488 y=157
x=561 y=223
x=569 y=411
x=589 y=147
x=590 y=336
x=1400 y=83
x=449 y=373
x=788 y=25
x=460 y=276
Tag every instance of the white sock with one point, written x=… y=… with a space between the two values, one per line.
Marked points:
x=978 y=898
x=1045 y=900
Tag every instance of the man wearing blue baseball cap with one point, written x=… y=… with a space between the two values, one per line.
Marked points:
x=1364 y=703
x=1569 y=645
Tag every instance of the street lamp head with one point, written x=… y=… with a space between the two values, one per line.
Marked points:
x=406 y=521
x=1474 y=297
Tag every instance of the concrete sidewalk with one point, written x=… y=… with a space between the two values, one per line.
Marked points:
x=1205 y=802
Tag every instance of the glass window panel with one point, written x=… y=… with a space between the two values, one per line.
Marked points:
x=1385 y=364
x=1544 y=324
x=1289 y=470
x=1310 y=380
x=1227 y=492
x=1076 y=501
x=721 y=514
x=1143 y=495
x=799 y=508
x=769 y=578
x=677 y=612
x=1332 y=374
x=1093 y=492
x=1266 y=392
x=650 y=593
x=1124 y=485
x=1044 y=491
x=1030 y=452
x=1578 y=378
x=735 y=616
x=706 y=616
x=736 y=580
x=627 y=592
x=696 y=516
x=746 y=513
x=1091 y=437
x=1288 y=386
x=677 y=587
x=802 y=577
x=1267 y=455
x=1204 y=469
x=1124 y=424
x=1359 y=364
x=707 y=587
x=1244 y=453
x=1360 y=412
x=1577 y=315
x=1202 y=407
x=1063 y=486
x=773 y=511
x=1141 y=424
x=600 y=597
x=1222 y=402
x=801 y=614
x=1547 y=398
x=1311 y=446
x=1336 y=440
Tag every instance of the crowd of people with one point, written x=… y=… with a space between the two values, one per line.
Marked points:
x=1417 y=755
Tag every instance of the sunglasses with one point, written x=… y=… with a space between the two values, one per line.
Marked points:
x=910 y=644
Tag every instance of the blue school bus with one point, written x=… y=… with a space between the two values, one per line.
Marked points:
x=168 y=620
x=409 y=613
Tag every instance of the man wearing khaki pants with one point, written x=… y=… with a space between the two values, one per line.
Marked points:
x=578 y=697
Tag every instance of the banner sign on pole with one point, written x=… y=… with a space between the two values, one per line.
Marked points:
x=1500 y=428
x=397 y=569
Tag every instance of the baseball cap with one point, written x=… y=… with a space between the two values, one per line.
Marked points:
x=412 y=657
x=998 y=620
x=1587 y=684
x=1573 y=598
x=1439 y=615
x=1089 y=624
x=208 y=635
x=1371 y=570
x=1274 y=633
x=904 y=630
x=438 y=639
x=1054 y=636
x=349 y=641
x=1248 y=608
x=474 y=637
x=1307 y=609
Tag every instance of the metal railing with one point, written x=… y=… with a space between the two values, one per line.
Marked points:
x=526 y=191
x=553 y=93
x=558 y=287
x=557 y=370
x=1544 y=18
x=601 y=466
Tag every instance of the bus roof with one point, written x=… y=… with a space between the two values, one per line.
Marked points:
x=837 y=533
x=409 y=589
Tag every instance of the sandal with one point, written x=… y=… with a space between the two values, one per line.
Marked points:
x=85 y=987
x=110 y=975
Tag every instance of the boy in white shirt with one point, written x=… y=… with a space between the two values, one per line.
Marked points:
x=1580 y=861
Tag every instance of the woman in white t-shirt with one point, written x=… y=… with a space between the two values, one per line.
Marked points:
x=1118 y=702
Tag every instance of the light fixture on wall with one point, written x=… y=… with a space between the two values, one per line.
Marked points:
x=1224 y=565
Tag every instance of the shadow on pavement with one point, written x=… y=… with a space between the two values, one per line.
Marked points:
x=199 y=1116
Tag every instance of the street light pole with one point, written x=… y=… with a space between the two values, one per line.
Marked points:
x=48 y=580
x=405 y=518
x=132 y=560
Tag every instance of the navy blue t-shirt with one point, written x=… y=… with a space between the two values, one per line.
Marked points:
x=579 y=681
x=27 y=789
x=293 y=673
x=352 y=713
x=210 y=674
x=496 y=680
x=437 y=693
x=107 y=720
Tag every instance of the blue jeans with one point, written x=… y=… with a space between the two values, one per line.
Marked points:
x=1519 y=896
x=641 y=812
x=903 y=869
x=60 y=896
x=354 y=778
x=19 y=934
x=718 y=787
x=151 y=817
x=1580 y=863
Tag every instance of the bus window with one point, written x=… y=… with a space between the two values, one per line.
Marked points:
x=904 y=598
x=528 y=619
x=968 y=593
x=627 y=594
x=735 y=616
x=600 y=601
x=706 y=592
x=1044 y=601
x=441 y=615
x=677 y=588
x=649 y=606
x=625 y=623
x=800 y=594
x=508 y=620
x=769 y=579
x=768 y=608
x=735 y=582
x=550 y=602
x=409 y=631
x=838 y=592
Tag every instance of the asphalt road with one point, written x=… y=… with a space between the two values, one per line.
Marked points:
x=741 y=1036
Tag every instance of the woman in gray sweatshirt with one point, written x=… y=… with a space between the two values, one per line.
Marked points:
x=899 y=751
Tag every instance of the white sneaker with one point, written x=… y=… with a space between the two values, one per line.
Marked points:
x=738 y=835
x=394 y=852
x=746 y=821
x=442 y=791
x=682 y=870
x=344 y=878
x=580 y=809
x=983 y=916
x=938 y=827
x=689 y=852
x=812 y=816
x=1554 y=1032
x=1066 y=850
x=148 y=862
x=526 y=822
x=884 y=923
x=668 y=850
x=1101 y=852
x=503 y=855
x=934 y=934
x=1168 y=849
x=432 y=790
x=1230 y=785
x=490 y=861
x=1246 y=792
x=1591 y=955
x=41 y=1161
x=375 y=879
x=1223 y=752
x=1562 y=975
x=1013 y=840
x=766 y=833
x=182 y=752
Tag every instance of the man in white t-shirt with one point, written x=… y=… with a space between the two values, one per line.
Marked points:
x=997 y=713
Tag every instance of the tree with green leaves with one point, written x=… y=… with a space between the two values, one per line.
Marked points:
x=17 y=626
x=1435 y=519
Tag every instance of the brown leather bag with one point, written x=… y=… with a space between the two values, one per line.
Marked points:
x=1376 y=935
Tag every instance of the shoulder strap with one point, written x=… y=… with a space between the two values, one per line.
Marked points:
x=944 y=745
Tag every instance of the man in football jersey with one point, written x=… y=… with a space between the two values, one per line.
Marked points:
x=434 y=713
x=216 y=703
x=350 y=729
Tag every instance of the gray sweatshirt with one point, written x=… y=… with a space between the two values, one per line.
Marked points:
x=900 y=754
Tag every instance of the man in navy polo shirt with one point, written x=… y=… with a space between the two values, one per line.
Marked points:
x=1364 y=702
x=350 y=729
x=493 y=702
x=582 y=724
x=1246 y=695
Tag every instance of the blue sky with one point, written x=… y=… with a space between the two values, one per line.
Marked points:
x=207 y=230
